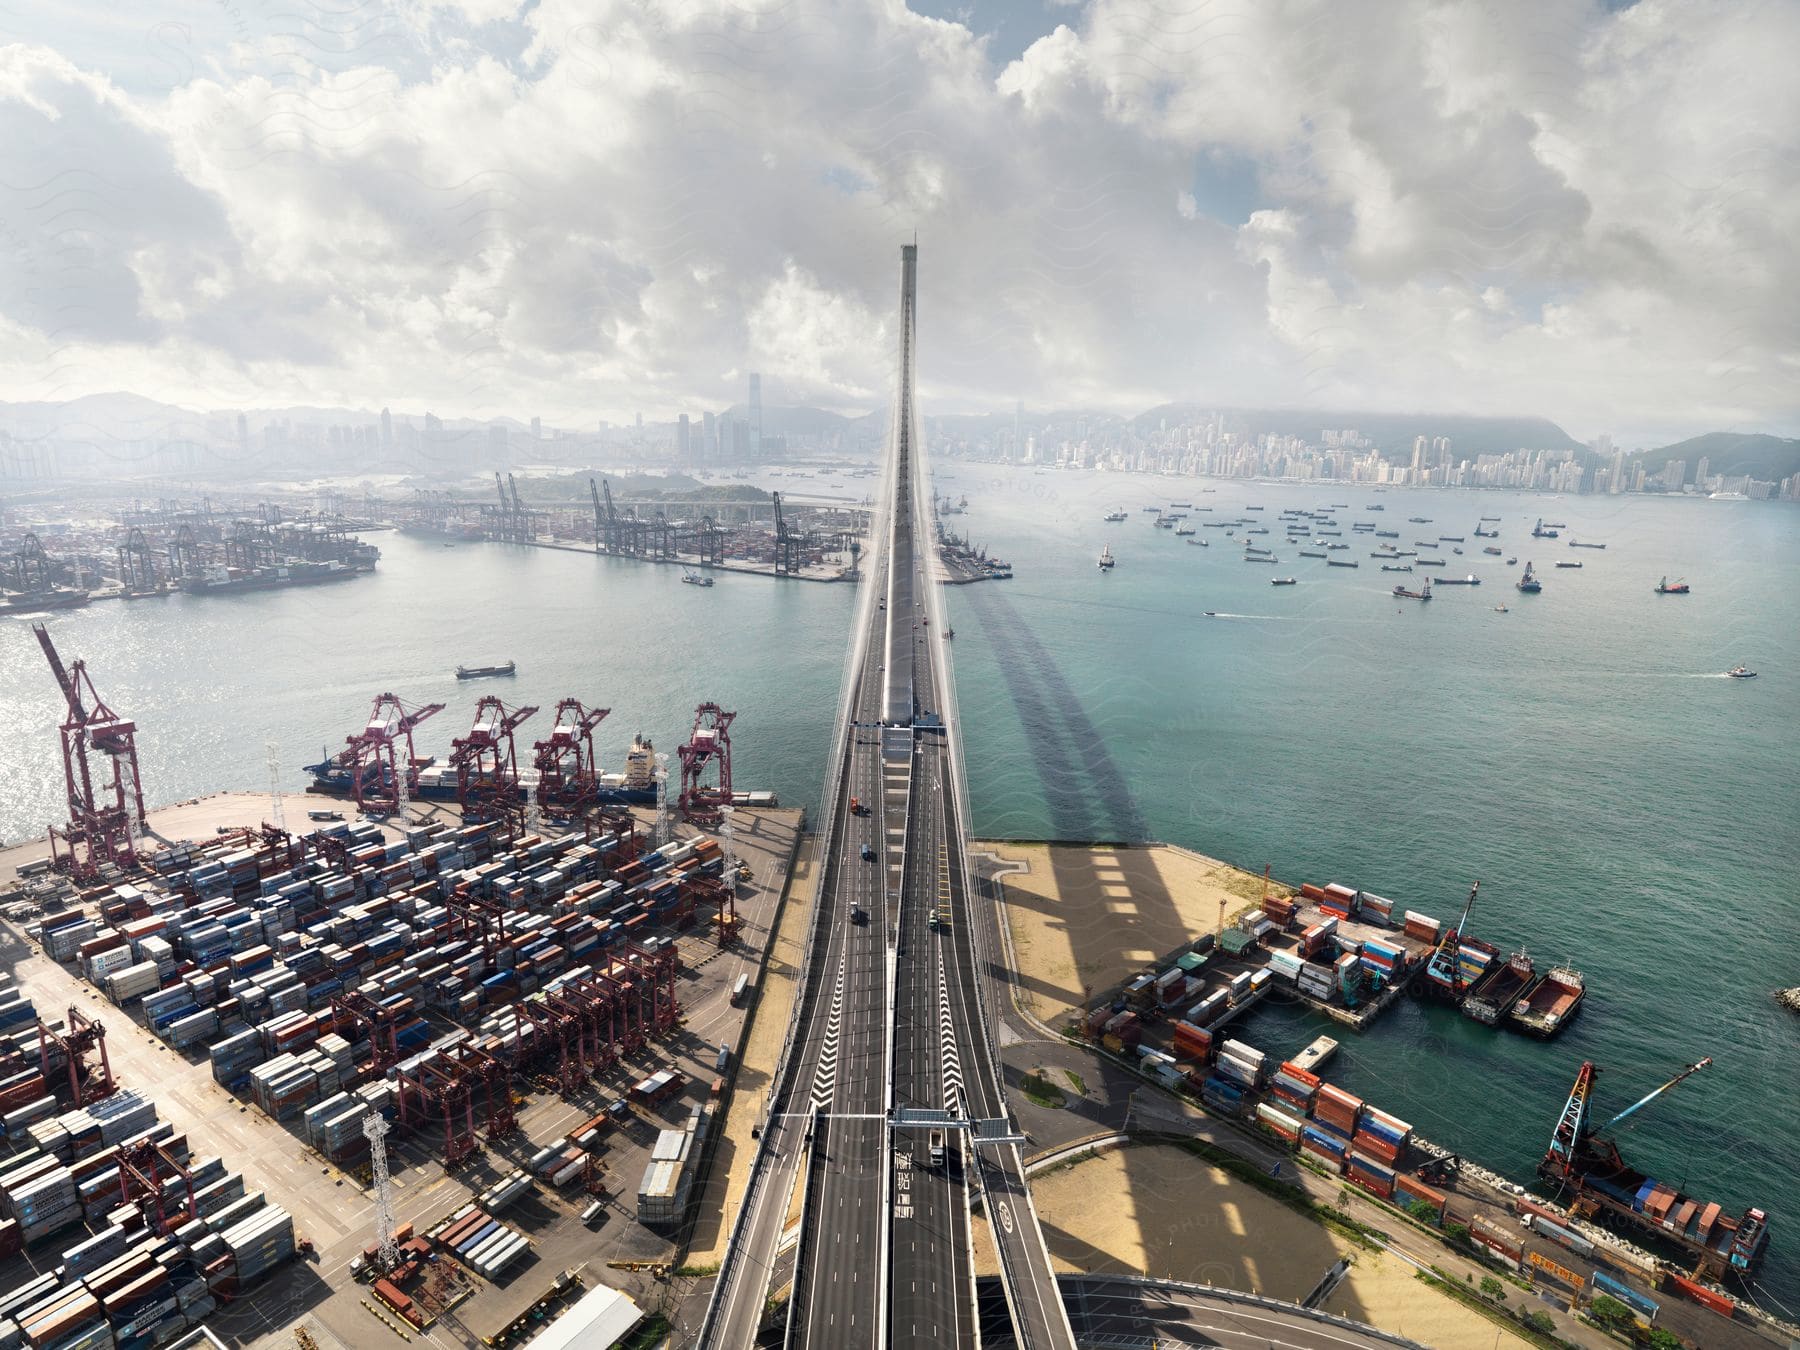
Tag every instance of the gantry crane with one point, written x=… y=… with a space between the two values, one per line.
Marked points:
x=787 y=542
x=379 y=779
x=568 y=768
x=708 y=749
x=486 y=762
x=101 y=817
x=137 y=568
x=82 y=1036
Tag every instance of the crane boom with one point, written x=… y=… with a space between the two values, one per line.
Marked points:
x=63 y=681
x=1649 y=1097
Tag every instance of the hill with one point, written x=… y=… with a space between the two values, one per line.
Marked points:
x=1769 y=458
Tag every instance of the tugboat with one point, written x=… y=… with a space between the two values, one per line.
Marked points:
x=1402 y=593
x=695 y=579
x=1501 y=608
x=1529 y=583
x=1741 y=673
x=1679 y=588
x=483 y=672
x=1106 y=558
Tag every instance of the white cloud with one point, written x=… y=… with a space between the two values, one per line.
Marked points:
x=590 y=207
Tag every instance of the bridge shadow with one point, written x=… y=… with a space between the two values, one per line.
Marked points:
x=1178 y=1217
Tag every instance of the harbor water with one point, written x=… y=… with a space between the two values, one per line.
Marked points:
x=1625 y=807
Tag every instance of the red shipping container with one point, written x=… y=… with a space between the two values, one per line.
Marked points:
x=1376 y=1147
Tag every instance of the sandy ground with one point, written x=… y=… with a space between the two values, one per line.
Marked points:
x=768 y=1027
x=1177 y=1218
x=1121 y=909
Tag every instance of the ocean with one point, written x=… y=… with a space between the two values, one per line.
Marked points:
x=1624 y=806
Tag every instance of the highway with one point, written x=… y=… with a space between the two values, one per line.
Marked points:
x=890 y=1015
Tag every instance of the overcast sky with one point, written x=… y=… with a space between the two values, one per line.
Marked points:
x=585 y=209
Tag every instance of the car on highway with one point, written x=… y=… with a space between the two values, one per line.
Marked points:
x=868 y=854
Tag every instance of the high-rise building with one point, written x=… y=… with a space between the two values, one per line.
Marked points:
x=684 y=449
x=709 y=436
x=1702 y=472
x=387 y=428
x=756 y=418
x=243 y=432
x=1419 y=447
x=537 y=429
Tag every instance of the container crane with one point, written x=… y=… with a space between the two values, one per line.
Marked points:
x=568 y=768
x=486 y=762
x=378 y=778
x=102 y=814
x=708 y=749
x=787 y=542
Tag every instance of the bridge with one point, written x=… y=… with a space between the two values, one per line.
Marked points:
x=886 y=1122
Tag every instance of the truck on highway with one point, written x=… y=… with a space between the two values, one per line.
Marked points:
x=934 y=1148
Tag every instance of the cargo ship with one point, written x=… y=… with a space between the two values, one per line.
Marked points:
x=331 y=777
x=483 y=672
x=1529 y=583
x=222 y=580
x=1664 y=588
x=1402 y=593
x=1470 y=580
x=1313 y=553
x=1113 y=517
x=1573 y=544
x=1282 y=581
x=1589 y=1170
x=1387 y=534
x=1342 y=562
x=1551 y=1004
x=1569 y=564
x=1543 y=531
x=1491 y=551
x=1403 y=567
x=1503 y=986
x=31 y=602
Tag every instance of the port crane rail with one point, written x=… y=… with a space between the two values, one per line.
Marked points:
x=102 y=815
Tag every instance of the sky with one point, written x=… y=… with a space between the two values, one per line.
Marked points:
x=589 y=209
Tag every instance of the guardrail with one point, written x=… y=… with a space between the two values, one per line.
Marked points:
x=1208 y=1291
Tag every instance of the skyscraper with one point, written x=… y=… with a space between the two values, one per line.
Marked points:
x=709 y=436
x=537 y=429
x=684 y=447
x=756 y=422
x=387 y=429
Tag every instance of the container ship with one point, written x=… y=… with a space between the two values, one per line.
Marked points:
x=636 y=786
x=1503 y=986
x=1552 y=1004
x=220 y=580
x=1590 y=1168
x=31 y=602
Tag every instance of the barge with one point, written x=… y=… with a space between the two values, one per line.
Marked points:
x=1551 y=1004
x=1503 y=986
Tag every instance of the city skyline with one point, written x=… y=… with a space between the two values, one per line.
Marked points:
x=1444 y=208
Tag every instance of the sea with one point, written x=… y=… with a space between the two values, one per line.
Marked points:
x=1579 y=752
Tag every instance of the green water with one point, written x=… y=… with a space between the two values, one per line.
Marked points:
x=1624 y=806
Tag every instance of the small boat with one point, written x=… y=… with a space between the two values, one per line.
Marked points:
x=1529 y=583
x=1375 y=508
x=1183 y=531
x=1113 y=517
x=1512 y=562
x=1201 y=542
x=1568 y=564
x=1457 y=552
x=1450 y=538
x=1490 y=517
x=1501 y=609
x=695 y=579
x=1418 y=520
x=1664 y=588
x=1387 y=534
x=949 y=633
x=1491 y=551
x=1548 y=1007
x=1283 y=581
x=483 y=672
x=1211 y=614
x=1741 y=673
x=1106 y=558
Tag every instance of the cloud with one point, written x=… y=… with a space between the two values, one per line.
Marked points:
x=586 y=208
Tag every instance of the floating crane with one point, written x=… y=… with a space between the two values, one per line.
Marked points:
x=378 y=778
x=708 y=749
x=486 y=763
x=102 y=814
x=1445 y=976
x=1582 y=1159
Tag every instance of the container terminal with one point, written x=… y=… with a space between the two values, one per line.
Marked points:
x=451 y=1057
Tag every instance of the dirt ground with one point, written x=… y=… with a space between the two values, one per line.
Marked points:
x=718 y=1205
x=1177 y=1218
x=1121 y=908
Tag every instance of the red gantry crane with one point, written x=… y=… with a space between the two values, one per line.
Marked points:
x=709 y=748
x=568 y=769
x=101 y=813
x=376 y=768
x=486 y=762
